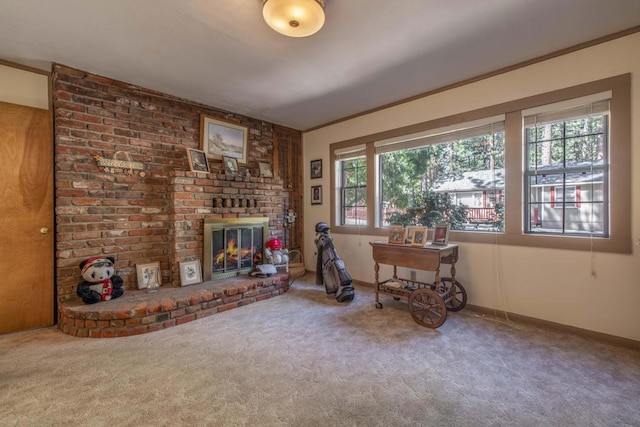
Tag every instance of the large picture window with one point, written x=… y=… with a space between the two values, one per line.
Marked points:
x=451 y=176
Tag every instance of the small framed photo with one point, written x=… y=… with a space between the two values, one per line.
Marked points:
x=265 y=169
x=230 y=165
x=316 y=195
x=148 y=275
x=197 y=160
x=419 y=237
x=219 y=138
x=441 y=234
x=409 y=235
x=190 y=273
x=316 y=169
x=397 y=234
x=244 y=172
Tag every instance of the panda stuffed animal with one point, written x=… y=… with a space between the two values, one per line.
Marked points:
x=99 y=282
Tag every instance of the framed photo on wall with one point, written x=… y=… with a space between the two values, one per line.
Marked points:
x=316 y=169
x=190 y=273
x=441 y=234
x=148 y=275
x=316 y=195
x=197 y=160
x=219 y=138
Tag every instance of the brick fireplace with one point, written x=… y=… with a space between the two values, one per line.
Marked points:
x=160 y=216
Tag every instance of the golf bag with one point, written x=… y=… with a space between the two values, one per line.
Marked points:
x=330 y=269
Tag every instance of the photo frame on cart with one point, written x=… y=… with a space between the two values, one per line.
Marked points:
x=441 y=234
x=397 y=234
x=419 y=236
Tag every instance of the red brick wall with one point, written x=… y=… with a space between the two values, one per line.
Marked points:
x=158 y=217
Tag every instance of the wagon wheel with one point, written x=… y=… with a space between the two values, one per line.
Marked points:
x=427 y=308
x=460 y=298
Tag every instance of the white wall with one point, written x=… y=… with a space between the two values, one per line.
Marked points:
x=23 y=87
x=598 y=292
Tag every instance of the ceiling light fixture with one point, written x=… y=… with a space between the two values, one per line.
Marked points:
x=294 y=18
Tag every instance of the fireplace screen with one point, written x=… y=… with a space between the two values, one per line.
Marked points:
x=233 y=246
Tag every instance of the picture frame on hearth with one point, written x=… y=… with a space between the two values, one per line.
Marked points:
x=190 y=273
x=198 y=161
x=220 y=138
x=149 y=276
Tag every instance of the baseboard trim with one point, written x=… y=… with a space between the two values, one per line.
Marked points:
x=611 y=339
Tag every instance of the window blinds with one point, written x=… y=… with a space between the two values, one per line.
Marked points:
x=350 y=152
x=437 y=136
x=585 y=106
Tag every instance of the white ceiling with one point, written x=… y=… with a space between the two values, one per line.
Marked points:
x=370 y=53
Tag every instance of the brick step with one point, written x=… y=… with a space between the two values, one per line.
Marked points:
x=138 y=312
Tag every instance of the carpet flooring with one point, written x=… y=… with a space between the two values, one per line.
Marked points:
x=303 y=359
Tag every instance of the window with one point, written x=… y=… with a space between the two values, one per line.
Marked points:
x=543 y=171
x=352 y=179
x=566 y=174
x=443 y=175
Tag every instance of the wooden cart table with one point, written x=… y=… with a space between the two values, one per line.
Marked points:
x=428 y=302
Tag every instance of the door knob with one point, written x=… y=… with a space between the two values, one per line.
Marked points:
x=44 y=230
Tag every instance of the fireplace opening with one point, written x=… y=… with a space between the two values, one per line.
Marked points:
x=233 y=246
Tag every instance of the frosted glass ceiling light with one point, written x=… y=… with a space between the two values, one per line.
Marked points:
x=294 y=18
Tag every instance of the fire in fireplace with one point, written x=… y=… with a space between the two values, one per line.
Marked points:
x=233 y=246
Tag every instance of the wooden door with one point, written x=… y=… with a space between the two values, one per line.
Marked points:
x=26 y=218
x=288 y=154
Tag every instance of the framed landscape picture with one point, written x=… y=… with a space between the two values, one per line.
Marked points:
x=219 y=138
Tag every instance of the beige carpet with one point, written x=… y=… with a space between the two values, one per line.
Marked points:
x=302 y=359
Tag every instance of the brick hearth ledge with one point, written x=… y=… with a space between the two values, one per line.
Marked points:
x=138 y=312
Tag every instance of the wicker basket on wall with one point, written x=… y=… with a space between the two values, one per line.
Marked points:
x=296 y=264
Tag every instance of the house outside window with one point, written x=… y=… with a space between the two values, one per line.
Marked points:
x=567 y=197
x=567 y=170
